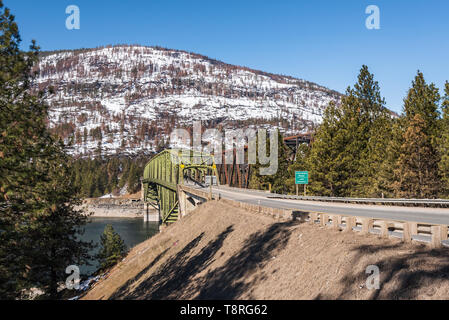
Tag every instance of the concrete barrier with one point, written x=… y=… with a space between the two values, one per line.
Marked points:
x=434 y=235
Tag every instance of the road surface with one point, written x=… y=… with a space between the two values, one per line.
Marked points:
x=400 y=213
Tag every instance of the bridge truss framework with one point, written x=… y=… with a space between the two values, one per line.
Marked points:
x=168 y=169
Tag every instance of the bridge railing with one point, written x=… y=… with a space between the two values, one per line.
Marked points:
x=435 y=235
x=384 y=201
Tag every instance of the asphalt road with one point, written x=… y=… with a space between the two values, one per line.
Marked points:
x=416 y=214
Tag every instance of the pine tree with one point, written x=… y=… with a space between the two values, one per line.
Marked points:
x=112 y=248
x=37 y=218
x=277 y=180
x=133 y=179
x=366 y=121
x=417 y=173
x=379 y=155
x=443 y=145
x=257 y=181
x=57 y=226
x=417 y=164
x=387 y=175
x=22 y=136
x=326 y=145
x=349 y=146
x=423 y=99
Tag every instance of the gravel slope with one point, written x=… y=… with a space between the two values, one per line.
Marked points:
x=221 y=252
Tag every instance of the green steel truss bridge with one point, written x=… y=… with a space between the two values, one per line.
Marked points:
x=168 y=169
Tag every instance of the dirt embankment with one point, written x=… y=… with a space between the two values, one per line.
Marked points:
x=221 y=252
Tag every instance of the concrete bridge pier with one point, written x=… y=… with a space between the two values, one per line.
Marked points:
x=146 y=213
x=150 y=214
x=187 y=202
x=146 y=210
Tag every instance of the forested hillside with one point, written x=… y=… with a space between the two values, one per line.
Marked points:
x=127 y=99
x=361 y=150
x=112 y=175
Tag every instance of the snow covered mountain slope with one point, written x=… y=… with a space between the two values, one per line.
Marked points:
x=127 y=99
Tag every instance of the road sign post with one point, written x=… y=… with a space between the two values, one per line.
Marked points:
x=301 y=177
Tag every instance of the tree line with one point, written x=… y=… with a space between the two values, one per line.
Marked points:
x=99 y=176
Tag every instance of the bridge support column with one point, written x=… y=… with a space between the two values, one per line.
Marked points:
x=313 y=217
x=367 y=224
x=436 y=237
x=324 y=219
x=145 y=212
x=336 y=221
x=444 y=231
x=188 y=201
x=350 y=223
x=439 y=233
x=413 y=228
x=384 y=229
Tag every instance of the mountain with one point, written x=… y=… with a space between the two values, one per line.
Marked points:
x=127 y=99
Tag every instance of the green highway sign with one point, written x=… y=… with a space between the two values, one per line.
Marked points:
x=301 y=177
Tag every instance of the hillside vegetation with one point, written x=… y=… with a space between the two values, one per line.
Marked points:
x=127 y=99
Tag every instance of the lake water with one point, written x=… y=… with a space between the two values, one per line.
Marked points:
x=131 y=230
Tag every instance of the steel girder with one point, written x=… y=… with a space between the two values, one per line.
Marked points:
x=165 y=171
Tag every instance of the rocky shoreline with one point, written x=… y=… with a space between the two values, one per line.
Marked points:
x=118 y=208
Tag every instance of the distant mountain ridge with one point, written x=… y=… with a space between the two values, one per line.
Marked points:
x=126 y=99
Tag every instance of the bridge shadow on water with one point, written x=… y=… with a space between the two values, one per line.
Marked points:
x=179 y=277
x=411 y=275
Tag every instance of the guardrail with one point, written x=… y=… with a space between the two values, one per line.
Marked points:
x=384 y=201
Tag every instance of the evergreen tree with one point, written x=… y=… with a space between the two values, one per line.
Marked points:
x=326 y=145
x=125 y=172
x=112 y=248
x=379 y=155
x=418 y=160
x=423 y=99
x=387 y=175
x=22 y=137
x=278 y=180
x=443 y=145
x=349 y=146
x=96 y=177
x=417 y=170
x=367 y=122
x=57 y=226
x=133 y=179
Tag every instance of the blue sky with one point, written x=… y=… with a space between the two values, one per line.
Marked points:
x=324 y=41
